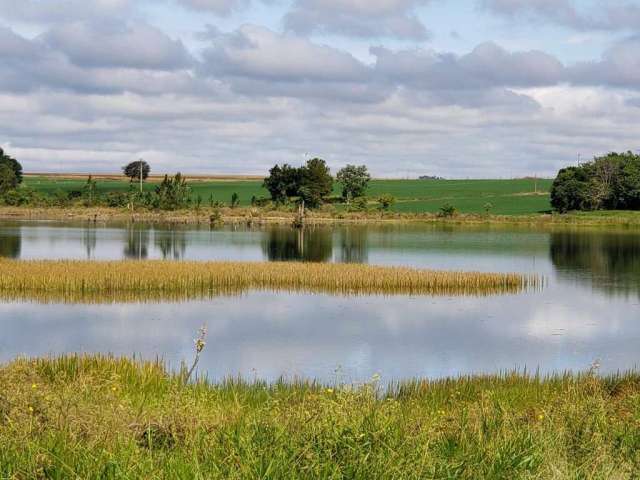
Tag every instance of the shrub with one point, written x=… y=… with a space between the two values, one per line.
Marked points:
x=386 y=201
x=117 y=199
x=359 y=204
x=447 y=211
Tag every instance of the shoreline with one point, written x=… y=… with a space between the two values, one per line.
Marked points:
x=254 y=216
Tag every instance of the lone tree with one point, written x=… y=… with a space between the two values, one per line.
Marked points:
x=13 y=164
x=354 y=180
x=137 y=170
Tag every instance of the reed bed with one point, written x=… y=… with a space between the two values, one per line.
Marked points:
x=100 y=417
x=156 y=280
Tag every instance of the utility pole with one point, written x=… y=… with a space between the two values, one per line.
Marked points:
x=140 y=163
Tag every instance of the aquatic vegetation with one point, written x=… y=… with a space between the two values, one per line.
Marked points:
x=104 y=417
x=156 y=280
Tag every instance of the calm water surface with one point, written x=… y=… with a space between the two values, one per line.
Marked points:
x=590 y=309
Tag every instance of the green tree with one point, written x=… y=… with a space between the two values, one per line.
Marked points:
x=11 y=163
x=235 y=200
x=316 y=182
x=283 y=182
x=354 y=180
x=605 y=175
x=133 y=170
x=571 y=190
x=8 y=180
x=629 y=185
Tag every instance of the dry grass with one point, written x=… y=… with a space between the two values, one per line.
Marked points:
x=151 y=280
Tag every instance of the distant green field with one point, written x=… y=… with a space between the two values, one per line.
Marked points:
x=508 y=197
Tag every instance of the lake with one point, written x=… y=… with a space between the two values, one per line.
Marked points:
x=588 y=311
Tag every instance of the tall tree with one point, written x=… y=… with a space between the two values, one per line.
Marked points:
x=354 y=180
x=12 y=163
x=316 y=182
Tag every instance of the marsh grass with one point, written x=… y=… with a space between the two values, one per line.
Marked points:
x=88 y=281
x=103 y=417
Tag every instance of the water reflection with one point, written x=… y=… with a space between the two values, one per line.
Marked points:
x=90 y=240
x=304 y=244
x=399 y=337
x=354 y=245
x=137 y=244
x=608 y=262
x=171 y=243
x=10 y=244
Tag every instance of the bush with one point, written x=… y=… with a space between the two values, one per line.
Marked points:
x=386 y=201
x=117 y=199
x=359 y=204
x=447 y=211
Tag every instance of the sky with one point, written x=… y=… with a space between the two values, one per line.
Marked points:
x=458 y=89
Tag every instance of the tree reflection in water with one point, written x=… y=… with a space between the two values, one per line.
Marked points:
x=11 y=244
x=137 y=243
x=610 y=262
x=171 y=243
x=310 y=244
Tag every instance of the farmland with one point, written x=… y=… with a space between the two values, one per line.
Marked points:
x=506 y=197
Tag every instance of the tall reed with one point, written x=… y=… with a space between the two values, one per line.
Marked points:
x=155 y=280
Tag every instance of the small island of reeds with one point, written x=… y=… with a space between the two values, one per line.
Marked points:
x=156 y=280
x=108 y=418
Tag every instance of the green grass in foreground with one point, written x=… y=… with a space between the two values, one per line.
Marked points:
x=104 y=418
x=508 y=197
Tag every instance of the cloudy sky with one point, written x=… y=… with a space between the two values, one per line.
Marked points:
x=464 y=88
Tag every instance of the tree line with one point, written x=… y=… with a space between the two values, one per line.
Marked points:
x=609 y=182
x=312 y=183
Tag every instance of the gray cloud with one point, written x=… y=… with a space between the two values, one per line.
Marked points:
x=219 y=7
x=358 y=18
x=110 y=44
x=619 y=67
x=251 y=59
x=487 y=66
x=610 y=15
x=57 y=11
